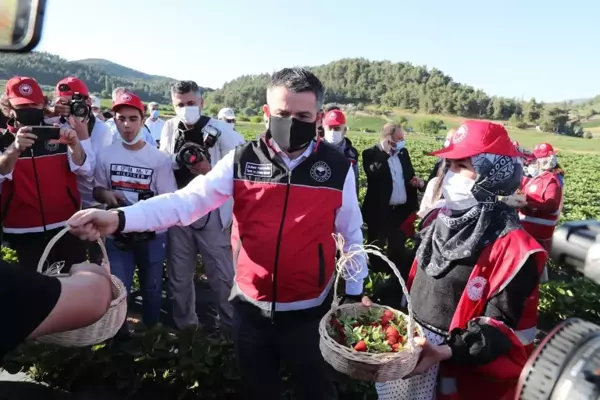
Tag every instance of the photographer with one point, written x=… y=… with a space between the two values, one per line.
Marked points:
x=196 y=143
x=128 y=172
x=73 y=99
x=39 y=188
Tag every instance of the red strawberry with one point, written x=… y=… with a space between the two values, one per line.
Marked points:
x=360 y=346
x=392 y=332
x=396 y=347
x=391 y=340
x=389 y=314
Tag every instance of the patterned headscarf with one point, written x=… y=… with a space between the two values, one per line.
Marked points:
x=459 y=235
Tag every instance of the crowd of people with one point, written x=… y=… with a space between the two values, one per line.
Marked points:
x=261 y=215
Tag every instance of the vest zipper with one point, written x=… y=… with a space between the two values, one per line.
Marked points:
x=277 y=248
x=37 y=185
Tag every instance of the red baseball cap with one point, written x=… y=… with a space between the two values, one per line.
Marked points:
x=477 y=137
x=334 y=118
x=71 y=85
x=128 y=99
x=22 y=90
x=543 y=150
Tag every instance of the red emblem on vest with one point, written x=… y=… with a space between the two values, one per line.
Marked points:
x=475 y=288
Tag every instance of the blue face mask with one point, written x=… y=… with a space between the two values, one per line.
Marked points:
x=397 y=146
x=154 y=114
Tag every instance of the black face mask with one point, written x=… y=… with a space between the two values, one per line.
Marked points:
x=29 y=116
x=291 y=134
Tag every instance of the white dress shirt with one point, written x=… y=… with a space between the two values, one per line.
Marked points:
x=398 y=188
x=155 y=127
x=207 y=192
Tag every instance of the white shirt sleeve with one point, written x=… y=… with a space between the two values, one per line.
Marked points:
x=165 y=178
x=166 y=136
x=100 y=177
x=88 y=166
x=348 y=223
x=148 y=136
x=202 y=195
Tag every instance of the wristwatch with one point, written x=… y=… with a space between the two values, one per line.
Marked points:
x=121 y=216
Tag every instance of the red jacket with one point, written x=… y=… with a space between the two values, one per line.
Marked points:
x=545 y=200
x=43 y=192
x=284 y=252
x=497 y=265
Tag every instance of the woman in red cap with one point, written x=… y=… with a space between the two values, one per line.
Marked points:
x=474 y=281
x=543 y=192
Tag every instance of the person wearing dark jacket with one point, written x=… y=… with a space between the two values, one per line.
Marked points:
x=391 y=195
x=39 y=178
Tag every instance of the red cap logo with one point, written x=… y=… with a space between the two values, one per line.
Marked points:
x=460 y=134
x=125 y=98
x=25 y=89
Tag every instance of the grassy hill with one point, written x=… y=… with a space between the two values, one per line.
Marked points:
x=119 y=70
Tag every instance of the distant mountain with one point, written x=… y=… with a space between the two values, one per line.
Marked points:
x=100 y=76
x=119 y=70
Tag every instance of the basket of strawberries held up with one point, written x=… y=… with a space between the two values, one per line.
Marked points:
x=375 y=343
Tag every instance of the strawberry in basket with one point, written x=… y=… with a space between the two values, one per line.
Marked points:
x=378 y=331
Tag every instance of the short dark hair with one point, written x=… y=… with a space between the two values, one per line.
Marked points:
x=298 y=80
x=331 y=107
x=183 y=87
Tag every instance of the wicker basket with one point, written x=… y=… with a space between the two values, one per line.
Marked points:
x=103 y=329
x=372 y=367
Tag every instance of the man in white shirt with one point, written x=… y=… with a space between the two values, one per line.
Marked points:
x=100 y=137
x=97 y=108
x=209 y=236
x=227 y=115
x=290 y=193
x=154 y=122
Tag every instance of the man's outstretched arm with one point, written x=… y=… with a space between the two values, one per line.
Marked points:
x=202 y=195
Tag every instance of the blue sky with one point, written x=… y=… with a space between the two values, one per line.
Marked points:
x=516 y=48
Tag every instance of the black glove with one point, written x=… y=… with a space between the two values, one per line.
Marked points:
x=477 y=345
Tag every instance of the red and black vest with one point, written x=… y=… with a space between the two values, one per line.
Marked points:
x=283 y=223
x=42 y=194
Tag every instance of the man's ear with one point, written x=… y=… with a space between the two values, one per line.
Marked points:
x=319 y=120
x=267 y=111
x=201 y=102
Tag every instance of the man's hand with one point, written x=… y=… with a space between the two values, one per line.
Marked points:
x=63 y=110
x=67 y=136
x=515 y=200
x=417 y=182
x=113 y=199
x=93 y=224
x=201 y=168
x=80 y=128
x=24 y=139
x=431 y=355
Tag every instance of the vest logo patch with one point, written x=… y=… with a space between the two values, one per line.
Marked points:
x=259 y=170
x=51 y=147
x=533 y=188
x=320 y=171
x=475 y=288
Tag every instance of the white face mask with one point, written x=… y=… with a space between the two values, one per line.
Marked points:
x=457 y=191
x=334 y=137
x=189 y=115
x=533 y=170
x=135 y=140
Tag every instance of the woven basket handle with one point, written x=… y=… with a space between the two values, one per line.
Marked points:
x=56 y=238
x=368 y=249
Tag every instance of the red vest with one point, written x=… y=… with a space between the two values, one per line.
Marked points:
x=43 y=192
x=540 y=224
x=497 y=265
x=284 y=251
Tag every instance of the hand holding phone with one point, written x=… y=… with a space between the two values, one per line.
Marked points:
x=46 y=133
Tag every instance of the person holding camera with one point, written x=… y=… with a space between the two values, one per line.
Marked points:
x=72 y=99
x=39 y=166
x=196 y=143
x=126 y=173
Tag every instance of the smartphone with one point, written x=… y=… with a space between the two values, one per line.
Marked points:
x=45 y=133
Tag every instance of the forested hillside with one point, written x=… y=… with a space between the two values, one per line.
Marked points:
x=48 y=69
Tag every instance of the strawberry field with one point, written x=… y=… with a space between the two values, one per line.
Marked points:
x=163 y=364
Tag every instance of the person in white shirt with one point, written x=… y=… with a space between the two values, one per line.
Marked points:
x=100 y=137
x=154 y=122
x=97 y=108
x=291 y=193
x=126 y=173
x=227 y=115
x=209 y=236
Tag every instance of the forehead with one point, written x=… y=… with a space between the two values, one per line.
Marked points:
x=128 y=112
x=153 y=106
x=184 y=97
x=280 y=98
x=398 y=134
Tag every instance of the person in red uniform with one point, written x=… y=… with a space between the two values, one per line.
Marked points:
x=474 y=282
x=543 y=193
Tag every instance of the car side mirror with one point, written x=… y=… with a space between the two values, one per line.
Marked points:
x=21 y=25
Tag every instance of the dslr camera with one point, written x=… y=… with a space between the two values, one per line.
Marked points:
x=77 y=104
x=193 y=150
x=129 y=241
x=566 y=364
